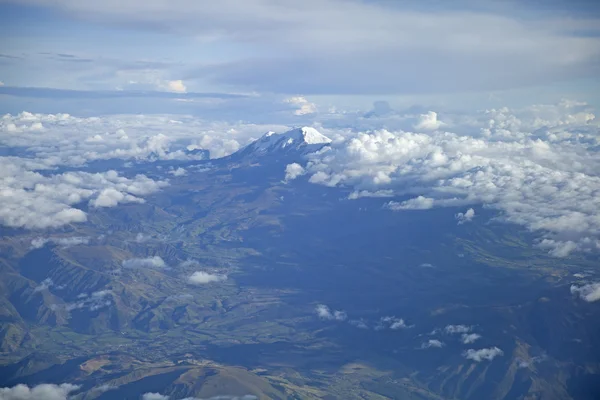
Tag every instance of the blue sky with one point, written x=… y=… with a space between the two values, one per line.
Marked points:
x=336 y=52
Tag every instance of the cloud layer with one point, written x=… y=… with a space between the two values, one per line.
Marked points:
x=39 y=392
x=341 y=47
x=539 y=167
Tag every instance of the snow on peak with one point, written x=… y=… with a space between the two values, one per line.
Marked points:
x=307 y=135
x=304 y=140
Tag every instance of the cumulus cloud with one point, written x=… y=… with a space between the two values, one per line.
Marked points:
x=123 y=136
x=148 y=262
x=40 y=242
x=178 y=172
x=468 y=338
x=428 y=122
x=176 y=86
x=301 y=105
x=467 y=216
x=202 y=278
x=451 y=329
x=418 y=203
x=589 y=292
x=393 y=323
x=31 y=200
x=432 y=343
x=39 y=392
x=359 y=323
x=154 y=396
x=325 y=313
x=93 y=302
x=292 y=171
x=535 y=167
x=483 y=354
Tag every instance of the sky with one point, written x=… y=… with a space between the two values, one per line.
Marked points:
x=342 y=53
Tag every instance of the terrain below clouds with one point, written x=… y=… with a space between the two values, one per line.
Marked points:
x=444 y=256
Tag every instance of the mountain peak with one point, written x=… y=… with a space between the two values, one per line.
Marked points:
x=307 y=135
x=301 y=141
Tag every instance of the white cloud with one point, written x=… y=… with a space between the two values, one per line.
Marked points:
x=418 y=203
x=467 y=216
x=40 y=242
x=468 y=338
x=124 y=136
x=521 y=363
x=31 y=200
x=589 y=292
x=428 y=122
x=154 y=396
x=393 y=323
x=451 y=329
x=202 y=278
x=45 y=284
x=325 y=313
x=38 y=392
x=359 y=323
x=292 y=171
x=148 y=262
x=301 y=105
x=332 y=46
x=542 y=177
x=176 y=86
x=93 y=302
x=178 y=172
x=432 y=343
x=483 y=354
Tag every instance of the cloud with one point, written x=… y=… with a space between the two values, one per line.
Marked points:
x=483 y=354
x=64 y=242
x=418 y=203
x=38 y=392
x=521 y=363
x=336 y=47
x=467 y=216
x=326 y=314
x=158 y=396
x=292 y=171
x=393 y=323
x=428 y=122
x=301 y=105
x=126 y=137
x=451 y=329
x=148 y=262
x=178 y=172
x=468 y=338
x=176 y=86
x=45 y=284
x=31 y=200
x=432 y=343
x=359 y=323
x=534 y=166
x=202 y=278
x=93 y=302
x=154 y=396
x=589 y=292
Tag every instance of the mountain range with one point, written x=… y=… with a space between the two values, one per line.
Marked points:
x=232 y=281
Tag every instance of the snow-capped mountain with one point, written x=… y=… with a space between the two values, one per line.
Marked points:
x=298 y=141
